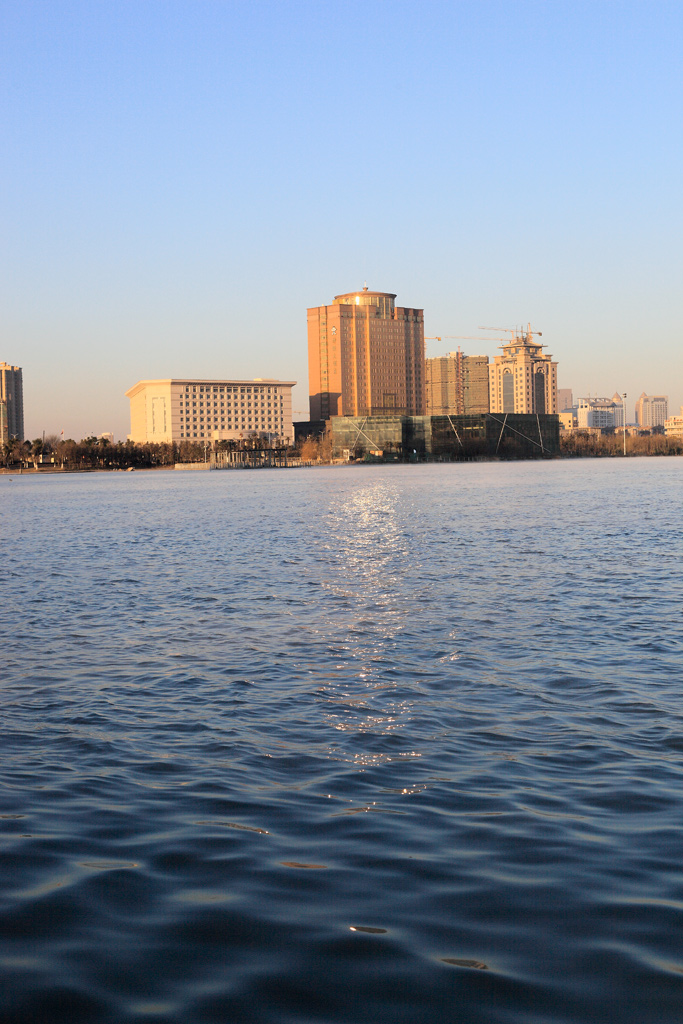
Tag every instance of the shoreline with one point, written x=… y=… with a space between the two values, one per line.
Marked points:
x=199 y=467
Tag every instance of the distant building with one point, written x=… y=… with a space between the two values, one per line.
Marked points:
x=524 y=379
x=595 y=412
x=619 y=409
x=365 y=357
x=565 y=399
x=12 y=403
x=652 y=410
x=210 y=410
x=673 y=425
x=457 y=385
x=568 y=419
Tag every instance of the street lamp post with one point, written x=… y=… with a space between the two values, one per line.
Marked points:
x=623 y=412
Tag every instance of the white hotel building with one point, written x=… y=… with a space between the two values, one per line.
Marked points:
x=210 y=410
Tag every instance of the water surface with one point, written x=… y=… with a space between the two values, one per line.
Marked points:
x=394 y=744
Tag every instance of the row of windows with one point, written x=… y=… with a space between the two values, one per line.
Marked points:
x=202 y=434
x=220 y=389
x=256 y=413
x=229 y=418
x=231 y=397
x=249 y=419
x=232 y=404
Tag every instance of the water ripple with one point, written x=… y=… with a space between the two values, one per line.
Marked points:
x=392 y=743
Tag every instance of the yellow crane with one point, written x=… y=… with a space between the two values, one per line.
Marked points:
x=515 y=332
x=444 y=337
x=468 y=337
x=473 y=337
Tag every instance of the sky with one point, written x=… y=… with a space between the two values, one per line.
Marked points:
x=181 y=180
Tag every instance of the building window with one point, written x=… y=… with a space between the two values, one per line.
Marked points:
x=508 y=393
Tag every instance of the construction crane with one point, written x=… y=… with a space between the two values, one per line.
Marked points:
x=515 y=332
x=443 y=337
x=473 y=337
x=461 y=337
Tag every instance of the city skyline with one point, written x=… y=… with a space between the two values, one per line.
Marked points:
x=177 y=191
x=301 y=413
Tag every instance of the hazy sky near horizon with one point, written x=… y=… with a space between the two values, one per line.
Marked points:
x=181 y=180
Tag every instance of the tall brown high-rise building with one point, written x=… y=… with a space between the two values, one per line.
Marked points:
x=457 y=385
x=12 y=402
x=365 y=357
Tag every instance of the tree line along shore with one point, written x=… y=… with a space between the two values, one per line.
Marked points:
x=53 y=453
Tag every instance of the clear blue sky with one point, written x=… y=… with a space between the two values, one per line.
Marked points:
x=181 y=180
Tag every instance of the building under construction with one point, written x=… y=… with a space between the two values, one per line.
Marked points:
x=446 y=438
x=457 y=385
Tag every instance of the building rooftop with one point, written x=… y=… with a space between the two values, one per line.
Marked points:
x=210 y=381
x=361 y=294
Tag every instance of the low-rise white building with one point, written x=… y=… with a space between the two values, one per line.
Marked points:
x=596 y=412
x=210 y=410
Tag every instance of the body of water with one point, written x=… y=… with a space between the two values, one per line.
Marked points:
x=371 y=744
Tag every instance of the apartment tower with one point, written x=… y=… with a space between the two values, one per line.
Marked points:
x=457 y=385
x=565 y=399
x=524 y=378
x=365 y=357
x=11 y=403
x=652 y=410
